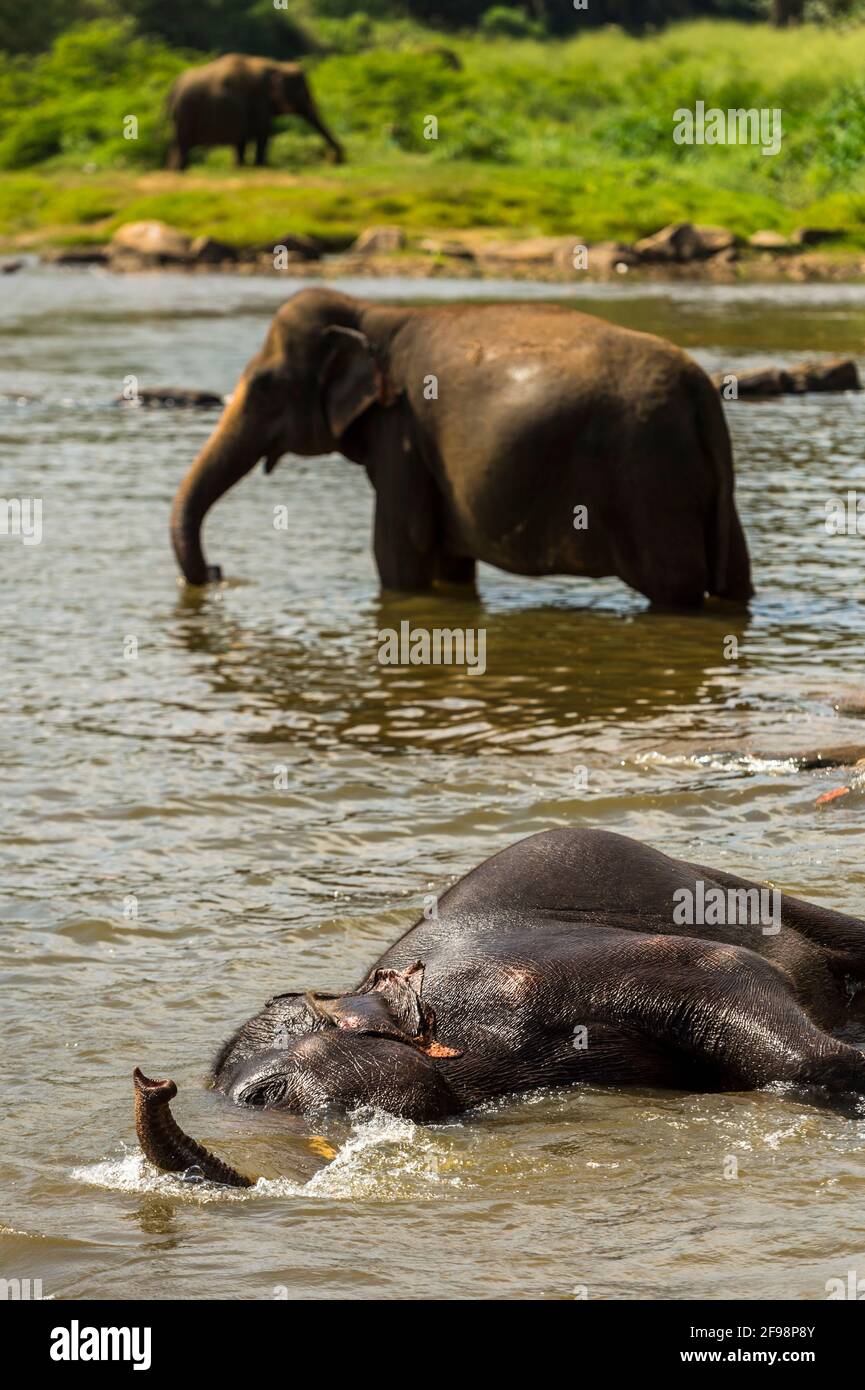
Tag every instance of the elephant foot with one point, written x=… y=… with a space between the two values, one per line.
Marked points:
x=165 y=1143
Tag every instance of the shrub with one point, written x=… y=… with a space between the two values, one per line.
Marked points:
x=505 y=22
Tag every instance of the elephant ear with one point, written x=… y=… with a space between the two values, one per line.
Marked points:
x=351 y=378
x=277 y=87
x=402 y=991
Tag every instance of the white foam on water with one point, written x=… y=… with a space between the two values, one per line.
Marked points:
x=385 y=1158
x=133 y=1173
x=720 y=762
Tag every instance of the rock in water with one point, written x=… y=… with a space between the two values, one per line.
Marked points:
x=173 y=397
x=835 y=374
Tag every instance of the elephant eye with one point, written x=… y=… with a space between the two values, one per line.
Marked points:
x=270 y=1093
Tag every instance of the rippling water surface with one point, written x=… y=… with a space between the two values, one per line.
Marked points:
x=154 y=779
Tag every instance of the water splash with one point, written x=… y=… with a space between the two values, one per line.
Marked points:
x=385 y=1158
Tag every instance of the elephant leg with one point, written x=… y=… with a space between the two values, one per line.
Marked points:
x=732 y=1013
x=455 y=569
x=261 y=151
x=669 y=569
x=675 y=580
x=675 y=592
x=738 y=587
x=240 y=153
x=406 y=534
x=178 y=156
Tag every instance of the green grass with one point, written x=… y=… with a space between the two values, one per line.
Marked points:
x=561 y=137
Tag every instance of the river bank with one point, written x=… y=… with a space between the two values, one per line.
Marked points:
x=680 y=251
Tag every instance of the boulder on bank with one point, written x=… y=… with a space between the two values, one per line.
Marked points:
x=835 y=374
x=206 y=250
x=682 y=242
x=293 y=246
x=176 y=397
x=457 y=250
x=150 y=243
x=378 y=241
x=10 y=267
x=770 y=241
x=537 y=254
x=814 y=236
x=611 y=257
x=75 y=255
x=537 y=249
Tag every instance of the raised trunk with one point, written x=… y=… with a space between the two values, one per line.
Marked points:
x=230 y=453
x=164 y=1142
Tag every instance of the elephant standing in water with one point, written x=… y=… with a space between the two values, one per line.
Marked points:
x=563 y=959
x=233 y=101
x=532 y=437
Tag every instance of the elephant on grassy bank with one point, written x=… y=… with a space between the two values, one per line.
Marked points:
x=572 y=956
x=532 y=437
x=233 y=101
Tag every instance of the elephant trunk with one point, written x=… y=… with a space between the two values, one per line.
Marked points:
x=309 y=111
x=230 y=453
x=164 y=1142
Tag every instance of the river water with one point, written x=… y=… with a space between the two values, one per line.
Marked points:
x=158 y=885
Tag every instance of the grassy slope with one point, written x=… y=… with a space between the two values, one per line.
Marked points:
x=559 y=137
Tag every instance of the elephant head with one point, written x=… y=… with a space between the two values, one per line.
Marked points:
x=306 y=1052
x=290 y=95
x=316 y=374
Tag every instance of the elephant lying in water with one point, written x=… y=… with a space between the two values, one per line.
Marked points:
x=532 y=437
x=563 y=959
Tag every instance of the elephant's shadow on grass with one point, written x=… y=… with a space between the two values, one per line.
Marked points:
x=548 y=672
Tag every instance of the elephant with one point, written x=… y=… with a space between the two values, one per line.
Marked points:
x=569 y=957
x=532 y=437
x=233 y=101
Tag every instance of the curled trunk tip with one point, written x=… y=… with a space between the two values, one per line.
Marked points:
x=165 y=1143
x=154 y=1092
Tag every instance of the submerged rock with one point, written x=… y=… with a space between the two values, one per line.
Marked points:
x=76 y=255
x=173 y=397
x=835 y=374
x=837 y=755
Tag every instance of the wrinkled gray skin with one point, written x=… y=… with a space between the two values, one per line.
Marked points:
x=539 y=410
x=233 y=101
x=565 y=930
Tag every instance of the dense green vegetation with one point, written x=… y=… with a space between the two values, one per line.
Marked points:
x=261 y=26
x=534 y=133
